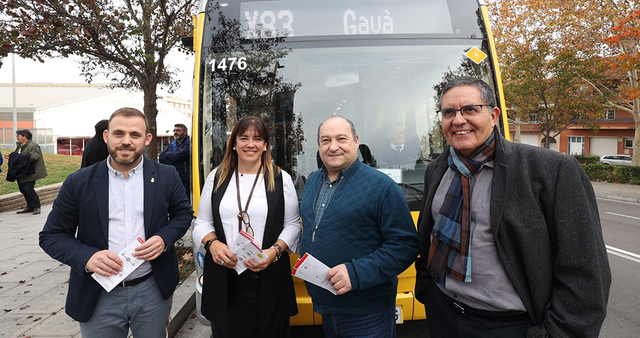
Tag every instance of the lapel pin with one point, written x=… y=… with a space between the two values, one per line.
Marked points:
x=153 y=179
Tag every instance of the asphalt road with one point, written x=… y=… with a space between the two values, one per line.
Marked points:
x=621 y=231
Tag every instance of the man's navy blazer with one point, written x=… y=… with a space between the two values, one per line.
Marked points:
x=82 y=206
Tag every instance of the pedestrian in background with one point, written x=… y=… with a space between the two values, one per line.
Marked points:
x=177 y=154
x=511 y=242
x=29 y=156
x=96 y=149
x=102 y=209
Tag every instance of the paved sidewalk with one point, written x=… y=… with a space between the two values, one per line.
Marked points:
x=33 y=286
x=621 y=192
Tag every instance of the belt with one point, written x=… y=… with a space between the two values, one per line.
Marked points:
x=136 y=281
x=464 y=309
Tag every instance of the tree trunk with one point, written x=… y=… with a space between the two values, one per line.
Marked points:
x=636 y=139
x=517 y=128
x=151 y=111
x=636 y=117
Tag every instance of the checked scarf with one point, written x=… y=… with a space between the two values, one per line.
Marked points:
x=450 y=251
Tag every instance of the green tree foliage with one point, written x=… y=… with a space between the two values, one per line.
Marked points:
x=125 y=40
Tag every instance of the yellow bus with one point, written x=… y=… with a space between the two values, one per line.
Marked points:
x=379 y=63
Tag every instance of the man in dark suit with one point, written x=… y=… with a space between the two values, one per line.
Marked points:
x=511 y=242
x=96 y=149
x=397 y=152
x=102 y=209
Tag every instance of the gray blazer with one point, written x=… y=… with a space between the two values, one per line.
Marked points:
x=547 y=231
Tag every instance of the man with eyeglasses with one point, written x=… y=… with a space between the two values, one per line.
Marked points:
x=177 y=155
x=511 y=242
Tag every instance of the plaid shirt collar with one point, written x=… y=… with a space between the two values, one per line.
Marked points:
x=342 y=173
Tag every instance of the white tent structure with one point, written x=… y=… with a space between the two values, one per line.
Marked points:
x=76 y=118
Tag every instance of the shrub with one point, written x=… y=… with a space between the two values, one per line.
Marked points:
x=609 y=173
x=587 y=159
x=599 y=172
x=627 y=175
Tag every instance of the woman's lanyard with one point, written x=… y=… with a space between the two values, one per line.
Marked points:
x=243 y=216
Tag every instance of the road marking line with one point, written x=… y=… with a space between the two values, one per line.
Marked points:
x=621 y=215
x=618 y=200
x=624 y=254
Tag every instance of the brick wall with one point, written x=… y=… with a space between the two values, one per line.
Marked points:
x=15 y=201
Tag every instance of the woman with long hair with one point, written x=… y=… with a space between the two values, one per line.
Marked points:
x=247 y=192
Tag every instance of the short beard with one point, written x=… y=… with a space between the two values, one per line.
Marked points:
x=114 y=156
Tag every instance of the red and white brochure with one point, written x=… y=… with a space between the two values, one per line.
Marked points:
x=247 y=248
x=130 y=264
x=310 y=269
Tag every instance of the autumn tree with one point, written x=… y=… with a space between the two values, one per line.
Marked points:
x=625 y=40
x=600 y=33
x=541 y=75
x=125 y=40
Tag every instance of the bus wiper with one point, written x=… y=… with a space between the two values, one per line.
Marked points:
x=411 y=186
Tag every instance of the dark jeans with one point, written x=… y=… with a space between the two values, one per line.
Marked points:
x=375 y=325
x=187 y=188
x=30 y=195
x=445 y=322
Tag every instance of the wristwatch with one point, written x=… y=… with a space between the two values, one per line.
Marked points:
x=208 y=244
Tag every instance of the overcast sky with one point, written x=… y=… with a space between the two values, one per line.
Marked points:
x=68 y=71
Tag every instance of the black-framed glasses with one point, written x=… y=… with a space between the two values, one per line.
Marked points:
x=243 y=217
x=469 y=111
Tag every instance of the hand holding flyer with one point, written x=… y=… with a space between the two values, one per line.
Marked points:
x=130 y=264
x=246 y=248
x=310 y=269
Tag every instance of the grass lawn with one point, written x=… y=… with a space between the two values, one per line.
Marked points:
x=58 y=168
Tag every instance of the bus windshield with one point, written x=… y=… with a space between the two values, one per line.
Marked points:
x=294 y=77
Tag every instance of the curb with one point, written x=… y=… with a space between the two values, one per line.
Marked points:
x=15 y=200
x=619 y=198
x=184 y=301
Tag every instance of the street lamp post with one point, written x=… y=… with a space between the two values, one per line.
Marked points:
x=13 y=79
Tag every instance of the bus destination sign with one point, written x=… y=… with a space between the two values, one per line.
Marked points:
x=270 y=19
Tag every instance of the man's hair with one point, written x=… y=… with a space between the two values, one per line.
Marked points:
x=351 y=125
x=184 y=128
x=25 y=132
x=130 y=112
x=101 y=126
x=486 y=93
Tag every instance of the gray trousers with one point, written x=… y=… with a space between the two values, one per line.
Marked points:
x=140 y=307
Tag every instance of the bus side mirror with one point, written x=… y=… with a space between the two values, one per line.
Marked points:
x=187 y=42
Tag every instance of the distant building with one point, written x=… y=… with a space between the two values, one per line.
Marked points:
x=64 y=115
x=615 y=136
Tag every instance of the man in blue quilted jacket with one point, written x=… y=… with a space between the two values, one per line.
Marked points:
x=357 y=222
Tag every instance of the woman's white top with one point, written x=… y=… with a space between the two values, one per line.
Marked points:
x=257 y=211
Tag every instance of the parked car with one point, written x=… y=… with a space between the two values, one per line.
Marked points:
x=69 y=149
x=616 y=159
